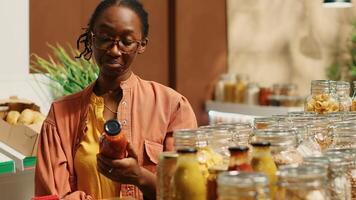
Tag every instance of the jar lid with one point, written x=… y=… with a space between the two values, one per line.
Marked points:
x=168 y=154
x=261 y=144
x=112 y=127
x=187 y=150
x=277 y=137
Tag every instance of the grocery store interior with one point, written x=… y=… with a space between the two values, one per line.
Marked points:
x=271 y=80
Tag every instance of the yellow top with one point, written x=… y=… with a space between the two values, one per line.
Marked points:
x=89 y=179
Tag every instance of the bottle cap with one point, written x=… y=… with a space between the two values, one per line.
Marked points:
x=112 y=127
x=187 y=150
x=238 y=148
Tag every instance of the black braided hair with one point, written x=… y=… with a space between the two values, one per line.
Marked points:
x=85 y=38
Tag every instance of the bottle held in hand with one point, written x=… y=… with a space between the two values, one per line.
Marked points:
x=113 y=141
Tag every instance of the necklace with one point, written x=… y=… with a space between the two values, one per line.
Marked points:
x=115 y=112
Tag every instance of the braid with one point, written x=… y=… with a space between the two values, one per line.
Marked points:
x=85 y=38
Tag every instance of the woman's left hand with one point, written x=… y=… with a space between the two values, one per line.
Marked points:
x=126 y=170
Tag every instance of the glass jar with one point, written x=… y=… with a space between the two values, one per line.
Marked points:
x=344 y=135
x=287 y=89
x=262 y=161
x=339 y=184
x=239 y=160
x=302 y=183
x=165 y=170
x=252 y=93
x=188 y=181
x=199 y=139
x=241 y=132
x=220 y=138
x=219 y=93
x=283 y=145
x=264 y=122
x=343 y=94
x=321 y=100
x=350 y=156
x=263 y=96
x=353 y=105
x=212 y=185
x=234 y=185
x=322 y=133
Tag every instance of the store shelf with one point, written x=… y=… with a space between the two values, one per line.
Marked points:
x=251 y=110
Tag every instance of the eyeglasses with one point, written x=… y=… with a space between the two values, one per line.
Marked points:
x=106 y=43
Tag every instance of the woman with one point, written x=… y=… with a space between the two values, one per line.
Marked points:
x=68 y=163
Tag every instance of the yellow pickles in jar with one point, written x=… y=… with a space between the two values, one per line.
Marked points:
x=188 y=181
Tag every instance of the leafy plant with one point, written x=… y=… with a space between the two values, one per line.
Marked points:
x=66 y=73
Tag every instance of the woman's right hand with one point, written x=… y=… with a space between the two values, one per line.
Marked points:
x=77 y=195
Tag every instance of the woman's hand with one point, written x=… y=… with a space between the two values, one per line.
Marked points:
x=128 y=171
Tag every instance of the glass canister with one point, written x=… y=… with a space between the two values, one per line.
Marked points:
x=220 y=138
x=353 y=105
x=199 y=139
x=339 y=184
x=344 y=135
x=235 y=185
x=241 y=132
x=165 y=170
x=350 y=156
x=188 y=181
x=264 y=122
x=343 y=94
x=321 y=100
x=320 y=129
x=283 y=145
x=302 y=183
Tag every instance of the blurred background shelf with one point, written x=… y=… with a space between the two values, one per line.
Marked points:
x=233 y=112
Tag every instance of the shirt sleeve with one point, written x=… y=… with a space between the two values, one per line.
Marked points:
x=183 y=117
x=51 y=174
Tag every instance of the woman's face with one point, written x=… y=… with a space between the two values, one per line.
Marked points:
x=120 y=24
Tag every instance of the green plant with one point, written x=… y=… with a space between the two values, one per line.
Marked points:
x=66 y=73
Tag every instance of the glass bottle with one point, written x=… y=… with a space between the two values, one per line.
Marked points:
x=283 y=145
x=262 y=161
x=321 y=100
x=233 y=185
x=113 y=142
x=229 y=88
x=353 y=105
x=240 y=87
x=212 y=185
x=302 y=183
x=343 y=94
x=239 y=159
x=220 y=87
x=165 y=170
x=188 y=181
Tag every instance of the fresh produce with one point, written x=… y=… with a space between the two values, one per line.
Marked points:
x=12 y=117
x=26 y=117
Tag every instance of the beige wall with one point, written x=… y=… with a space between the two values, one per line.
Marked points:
x=279 y=41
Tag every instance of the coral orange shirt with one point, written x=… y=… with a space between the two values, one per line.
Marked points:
x=149 y=112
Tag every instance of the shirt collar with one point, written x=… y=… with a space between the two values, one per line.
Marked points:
x=130 y=82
